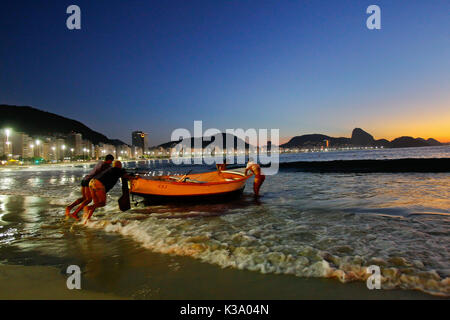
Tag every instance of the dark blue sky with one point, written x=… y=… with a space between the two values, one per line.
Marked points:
x=301 y=66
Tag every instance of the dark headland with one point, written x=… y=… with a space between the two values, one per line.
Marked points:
x=37 y=122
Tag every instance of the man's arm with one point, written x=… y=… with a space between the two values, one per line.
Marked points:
x=96 y=170
x=125 y=175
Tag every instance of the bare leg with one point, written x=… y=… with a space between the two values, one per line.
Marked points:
x=99 y=197
x=84 y=194
x=80 y=207
x=87 y=198
x=92 y=208
x=76 y=202
x=257 y=184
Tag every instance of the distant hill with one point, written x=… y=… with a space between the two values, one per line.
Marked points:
x=41 y=123
x=359 y=138
x=313 y=140
x=205 y=142
x=409 y=142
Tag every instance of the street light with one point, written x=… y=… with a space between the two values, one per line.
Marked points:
x=8 y=143
x=63 y=148
x=37 y=144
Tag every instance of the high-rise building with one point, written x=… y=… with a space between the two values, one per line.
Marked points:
x=89 y=147
x=123 y=152
x=140 y=139
x=136 y=152
x=3 y=147
x=76 y=143
x=106 y=149
x=61 y=149
x=21 y=145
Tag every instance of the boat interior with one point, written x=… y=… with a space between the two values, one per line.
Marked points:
x=207 y=177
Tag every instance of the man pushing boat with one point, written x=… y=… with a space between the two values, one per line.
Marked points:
x=86 y=198
x=259 y=178
x=101 y=184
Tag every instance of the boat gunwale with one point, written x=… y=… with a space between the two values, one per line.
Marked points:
x=242 y=178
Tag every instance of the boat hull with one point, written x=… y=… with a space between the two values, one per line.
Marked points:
x=206 y=185
x=210 y=198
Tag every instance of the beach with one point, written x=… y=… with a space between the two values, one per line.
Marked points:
x=40 y=282
x=309 y=236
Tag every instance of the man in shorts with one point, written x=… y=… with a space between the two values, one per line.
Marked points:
x=85 y=193
x=259 y=178
x=101 y=184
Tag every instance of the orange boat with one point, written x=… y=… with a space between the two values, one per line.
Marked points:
x=200 y=185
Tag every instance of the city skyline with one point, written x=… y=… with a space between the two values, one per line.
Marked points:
x=298 y=67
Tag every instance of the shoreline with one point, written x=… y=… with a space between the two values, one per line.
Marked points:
x=402 y=165
x=181 y=278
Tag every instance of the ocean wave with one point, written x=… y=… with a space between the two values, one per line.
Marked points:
x=262 y=249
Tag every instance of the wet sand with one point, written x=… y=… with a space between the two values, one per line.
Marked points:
x=141 y=274
x=43 y=283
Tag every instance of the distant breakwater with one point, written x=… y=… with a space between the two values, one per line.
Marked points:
x=370 y=166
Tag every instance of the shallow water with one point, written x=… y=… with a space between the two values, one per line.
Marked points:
x=305 y=226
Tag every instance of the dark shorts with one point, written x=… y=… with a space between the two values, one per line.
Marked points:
x=85 y=183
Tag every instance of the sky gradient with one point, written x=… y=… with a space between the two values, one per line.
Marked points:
x=300 y=66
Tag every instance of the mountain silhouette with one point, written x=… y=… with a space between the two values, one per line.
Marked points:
x=36 y=122
x=359 y=138
x=204 y=142
x=406 y=142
